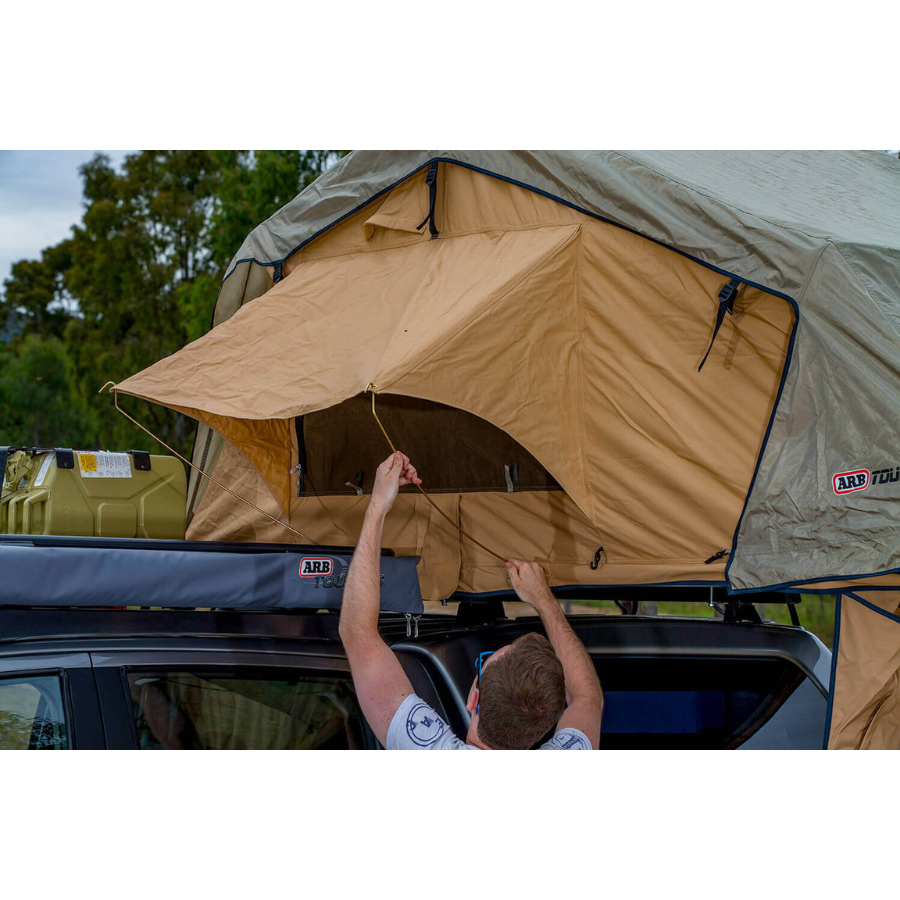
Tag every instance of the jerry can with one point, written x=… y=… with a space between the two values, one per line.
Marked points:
x=92 y=493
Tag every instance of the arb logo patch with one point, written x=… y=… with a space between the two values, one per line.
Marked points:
x=847 y=482
x=316 y=566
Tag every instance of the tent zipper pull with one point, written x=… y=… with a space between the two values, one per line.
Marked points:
x=431 y=181
x=727 y=296
x=277 y=273
x=596 y=563
x=716 y=557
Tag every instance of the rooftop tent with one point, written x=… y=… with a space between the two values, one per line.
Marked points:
x=534 y=324
x=528 y=340
x=551 y=310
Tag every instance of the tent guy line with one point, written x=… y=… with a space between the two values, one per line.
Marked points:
x=370 y=389
x=112 y=387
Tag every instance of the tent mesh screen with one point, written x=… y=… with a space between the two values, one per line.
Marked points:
x=341 y=447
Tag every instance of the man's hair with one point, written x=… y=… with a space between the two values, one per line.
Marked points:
x=523 y=695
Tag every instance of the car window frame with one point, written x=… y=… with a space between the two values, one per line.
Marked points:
x=113 y=667
x=81 y=710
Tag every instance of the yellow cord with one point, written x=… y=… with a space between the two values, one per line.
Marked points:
x=115 y=394
x=371 y=388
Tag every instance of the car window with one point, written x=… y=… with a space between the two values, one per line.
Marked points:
x=32 y=713
x=670 y=702
x=245 y=709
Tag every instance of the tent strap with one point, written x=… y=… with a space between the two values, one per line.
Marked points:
x=727 y=296
x=431 y=181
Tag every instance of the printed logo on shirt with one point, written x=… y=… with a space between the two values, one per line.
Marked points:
x=423 y=725
x=567 y=741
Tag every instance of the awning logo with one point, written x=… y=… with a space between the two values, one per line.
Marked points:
x=316 y=566
x=848 y=482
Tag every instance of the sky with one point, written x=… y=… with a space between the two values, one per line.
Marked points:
x=40 y=200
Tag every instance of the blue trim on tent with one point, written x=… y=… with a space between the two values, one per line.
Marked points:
x=337 y=221
x=799 y=586
x=873 y=607
x=527 y=187
x=765 y=441
x=834 y=656
x=582 y=587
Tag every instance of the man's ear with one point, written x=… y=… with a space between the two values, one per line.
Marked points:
x=472 y=701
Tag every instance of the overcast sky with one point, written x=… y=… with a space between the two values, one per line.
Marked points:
x=40 y=200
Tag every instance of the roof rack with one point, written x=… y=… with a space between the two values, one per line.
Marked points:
x=478 y=609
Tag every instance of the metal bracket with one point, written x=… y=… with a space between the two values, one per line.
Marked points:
x=141 y=460
x=736 y=611
x=65 y=459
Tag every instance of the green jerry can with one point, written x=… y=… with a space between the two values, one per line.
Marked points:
x=91 y=493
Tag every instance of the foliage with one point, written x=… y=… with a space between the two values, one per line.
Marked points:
x=135 y=282
x=39 y=399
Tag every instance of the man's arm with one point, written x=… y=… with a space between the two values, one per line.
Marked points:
x=381 y=684
x=584 y=695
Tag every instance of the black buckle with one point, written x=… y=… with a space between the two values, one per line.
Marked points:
x=728 y=294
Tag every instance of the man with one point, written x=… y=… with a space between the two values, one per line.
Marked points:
x=520 y=692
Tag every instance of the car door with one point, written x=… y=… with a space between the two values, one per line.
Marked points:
x=172 y=698
x=48 y=701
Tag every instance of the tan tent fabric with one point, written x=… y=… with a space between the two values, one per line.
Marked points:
x=822 y=229
x=578 y=340
x=541 y=525
x=866 y=689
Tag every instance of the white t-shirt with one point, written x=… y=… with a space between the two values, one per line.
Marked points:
x=416 y=726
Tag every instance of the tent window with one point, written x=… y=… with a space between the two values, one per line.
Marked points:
x=452 y=449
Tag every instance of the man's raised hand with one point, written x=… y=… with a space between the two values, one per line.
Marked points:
x=529 y=582
x=392 y=474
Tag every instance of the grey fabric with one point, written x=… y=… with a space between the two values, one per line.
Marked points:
x=821 y=228
x=99 y=576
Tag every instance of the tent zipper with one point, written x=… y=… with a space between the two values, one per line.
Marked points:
x=716 y=557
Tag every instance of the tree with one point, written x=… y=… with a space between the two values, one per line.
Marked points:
x=39 y=401
x=36 y=300
x=137 y=280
